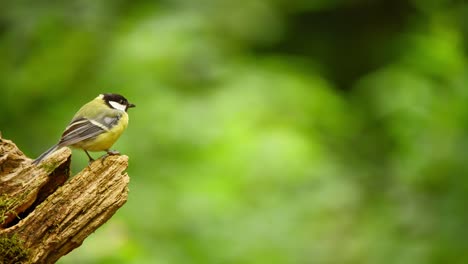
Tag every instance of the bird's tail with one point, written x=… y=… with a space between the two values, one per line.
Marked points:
x=45 y=154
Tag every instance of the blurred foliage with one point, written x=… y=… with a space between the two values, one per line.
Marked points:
x=266 y=131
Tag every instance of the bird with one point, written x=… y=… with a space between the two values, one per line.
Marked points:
x=95 y=127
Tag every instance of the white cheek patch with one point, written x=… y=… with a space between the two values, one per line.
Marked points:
x=117 y=105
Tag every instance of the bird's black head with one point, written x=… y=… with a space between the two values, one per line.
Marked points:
x=117 y=101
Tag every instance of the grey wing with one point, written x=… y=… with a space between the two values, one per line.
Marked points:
x=80 y=129
x=110 y=121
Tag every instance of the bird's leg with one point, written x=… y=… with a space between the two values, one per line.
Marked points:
x=89 y=156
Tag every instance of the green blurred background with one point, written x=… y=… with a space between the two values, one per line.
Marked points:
x=266 y=131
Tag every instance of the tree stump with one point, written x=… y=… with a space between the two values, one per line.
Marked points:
x=43 y=215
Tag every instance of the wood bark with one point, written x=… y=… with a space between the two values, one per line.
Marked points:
x=44 y=214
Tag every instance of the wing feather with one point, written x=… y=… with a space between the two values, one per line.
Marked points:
x=79 y=130
x=82 y=129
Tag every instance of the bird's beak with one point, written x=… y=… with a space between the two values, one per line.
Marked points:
x=130 y=105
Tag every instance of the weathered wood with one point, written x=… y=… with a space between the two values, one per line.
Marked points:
x=21 y=182
x=56 y=216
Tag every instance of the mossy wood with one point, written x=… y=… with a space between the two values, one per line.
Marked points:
x=42 y=215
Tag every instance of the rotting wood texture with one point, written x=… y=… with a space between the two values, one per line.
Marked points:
x=42 y=215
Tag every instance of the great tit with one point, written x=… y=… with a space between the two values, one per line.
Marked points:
x=95 y=127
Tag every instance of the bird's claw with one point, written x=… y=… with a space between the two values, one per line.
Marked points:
x=90 y=162
x=109 y=153
x=113 y=152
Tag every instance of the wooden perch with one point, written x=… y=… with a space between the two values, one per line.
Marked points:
x=42 y=215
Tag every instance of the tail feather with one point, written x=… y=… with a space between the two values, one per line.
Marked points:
x=45 y=154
